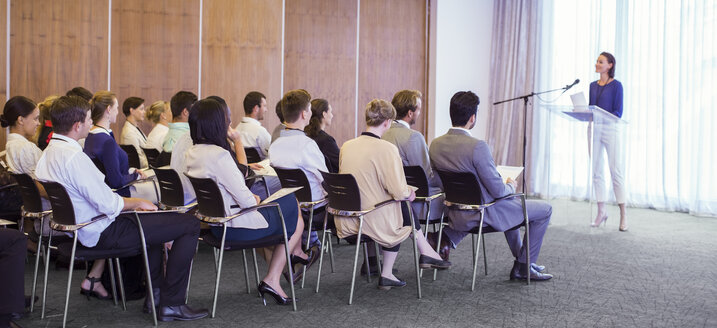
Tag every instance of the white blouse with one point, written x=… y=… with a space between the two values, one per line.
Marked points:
x=132 y=135
x=22 y=155
x=216 y=163
x=156 y=137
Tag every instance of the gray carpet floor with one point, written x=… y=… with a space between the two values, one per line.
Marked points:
x=662 y=273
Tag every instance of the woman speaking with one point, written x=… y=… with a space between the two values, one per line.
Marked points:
x=606 y=93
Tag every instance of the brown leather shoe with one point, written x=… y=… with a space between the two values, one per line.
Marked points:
x=445 y=250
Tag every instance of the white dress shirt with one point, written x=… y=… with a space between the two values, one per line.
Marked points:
x=178 y=162
x=294 y=150
x=216 y=163
x=254 y=135
x=22 y=155
x=132 y=135
x=63 y=161
x=156 y=137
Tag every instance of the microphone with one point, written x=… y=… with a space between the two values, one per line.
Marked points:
x=572 y=85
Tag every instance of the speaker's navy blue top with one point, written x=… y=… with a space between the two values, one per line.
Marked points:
x=608 y=97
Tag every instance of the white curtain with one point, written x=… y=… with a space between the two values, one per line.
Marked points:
x=666 y=59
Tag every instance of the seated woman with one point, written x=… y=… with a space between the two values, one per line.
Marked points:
x=101 y=147
x=133 y=110
x=160 y=115
x=22 y=116
x=44 y=133
x=321 y=116
x=210 y=157
x=378 y=170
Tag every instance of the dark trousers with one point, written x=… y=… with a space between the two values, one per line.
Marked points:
x=159 y=228
x=13 y=248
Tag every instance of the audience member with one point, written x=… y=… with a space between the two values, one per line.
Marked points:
x=133 y=110
x=12 y=260
x=180 y=104
x=321 y=117
x=280 y=127
x=252 y=133
x=45 y=132
x=80 y=92
x=459 y=151
x=160 y=115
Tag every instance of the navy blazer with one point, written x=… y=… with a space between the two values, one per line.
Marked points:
x=103 y=148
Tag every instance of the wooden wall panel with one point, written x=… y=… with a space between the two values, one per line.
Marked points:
x=320 y=56
x=392 y=52
x=3 y=67
x=155 y=50
x=241 y=52
x=57 y=45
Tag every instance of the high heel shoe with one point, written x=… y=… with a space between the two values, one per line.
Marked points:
x=91 y=292
x=623 y=227
x=264 y=288
x=600 y=221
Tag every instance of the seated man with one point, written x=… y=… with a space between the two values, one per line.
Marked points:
x=412 y=147
x=180 y=104
x=458 y=151
x=252 y=133
x=12 y=260
x=63 y=161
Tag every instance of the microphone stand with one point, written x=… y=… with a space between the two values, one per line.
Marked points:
x=525 y=122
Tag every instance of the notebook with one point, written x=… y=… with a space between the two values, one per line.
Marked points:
x=580 y=104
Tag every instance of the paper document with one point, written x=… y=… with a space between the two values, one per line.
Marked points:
x=267 y=169
x=509 y=172
x=281 y=193
x=4 y=222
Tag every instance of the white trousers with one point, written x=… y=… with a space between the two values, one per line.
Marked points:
x=606 y=140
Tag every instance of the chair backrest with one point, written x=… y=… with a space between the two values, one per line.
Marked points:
x=171 y=192
x=31 y=199
x=343 y=192
x=98 y=164
x=252 y=155
x=291 y=178
x=164 y=159
x=62 y=210
x=461 y=187
x=209 y=197
x=415 y=176
x=132 y=155
x=152 y=155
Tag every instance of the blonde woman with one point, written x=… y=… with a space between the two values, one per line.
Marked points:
x=44 y=133
x=159 y=114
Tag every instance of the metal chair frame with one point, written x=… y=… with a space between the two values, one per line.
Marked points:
x=337 y=190
x=471 y=179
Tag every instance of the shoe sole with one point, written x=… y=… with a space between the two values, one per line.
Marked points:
x=165 y=319
x=430 y=266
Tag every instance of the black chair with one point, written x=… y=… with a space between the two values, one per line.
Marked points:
x=164 y=159
x=463 y=193
x=345 y=201
x=152 y=155
x=171 y=190
x=210 y=209
x=63 y=219
x=32 y=208
x=252 y=155
x=132 y=155
x=291 y=178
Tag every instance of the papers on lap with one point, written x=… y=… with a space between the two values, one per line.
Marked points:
x=281 y=193
x=267 y=169
x=509 y=172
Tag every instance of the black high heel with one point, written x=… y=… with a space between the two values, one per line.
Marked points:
x=265 y=288
x=91 y=292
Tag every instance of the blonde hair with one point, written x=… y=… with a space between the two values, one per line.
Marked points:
x=378 y=111
x=100 y=101
x=45 y=106
x=156 y=109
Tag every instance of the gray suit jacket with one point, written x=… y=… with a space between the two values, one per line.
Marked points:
x=414 y=152
x=457 y=151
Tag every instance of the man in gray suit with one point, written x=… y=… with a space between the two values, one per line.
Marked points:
x=458 y=151
x=412 y=147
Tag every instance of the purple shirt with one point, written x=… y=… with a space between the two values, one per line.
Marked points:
x=608 y=97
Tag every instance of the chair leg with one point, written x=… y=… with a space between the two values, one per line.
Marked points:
x=438 y=243
x=288 y=263
x=69 y=280
x=121 y=284
x=527 y=238
x=368 y=265
x=415 y=251
x=246 y=271
x=331 y=252
x=378 y=258
x=308 y=239
x=216 y=259
x=321 y=257
x=189 y=279
x=37 y=263
x=256 y=266
x=219 y=270
x=476 y=251
x=112 y=281
x=353 y=275
x=485 y=258
x=47 y=266
x=150 y=290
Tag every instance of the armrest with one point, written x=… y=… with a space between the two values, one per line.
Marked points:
x=152 y=178
x=212 y=219
x=431 y=197
x=63 y=227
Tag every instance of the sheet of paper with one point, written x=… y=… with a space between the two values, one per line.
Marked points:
x=267 y=169
x=4 y=222
x=281 y=193
x=509 y=172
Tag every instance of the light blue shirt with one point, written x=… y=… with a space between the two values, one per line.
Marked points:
x=176 y=130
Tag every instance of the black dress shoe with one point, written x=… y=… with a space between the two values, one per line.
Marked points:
x=518 y=273
x=387 y=284
x=445 y=250
x=539 y=268
x=426 y=262
x=147 y=305
x=264 y=288
x=180 y=312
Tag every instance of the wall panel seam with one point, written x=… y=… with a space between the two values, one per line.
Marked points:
x=199 y=74
x=356 y=93
x=109 y=43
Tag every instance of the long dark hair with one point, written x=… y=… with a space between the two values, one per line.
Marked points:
x=318 y=108
x=208 y=123
x=14 y=108
x=610 y=60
